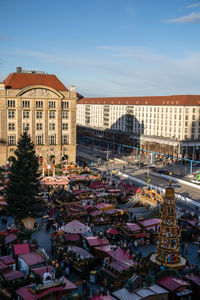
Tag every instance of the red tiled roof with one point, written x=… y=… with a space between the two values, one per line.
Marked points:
x=32 y=258
x=12 y=275
x=22 y=80
x=26 y=294
x=152 y=100
x=172 y=283
x=21 y=249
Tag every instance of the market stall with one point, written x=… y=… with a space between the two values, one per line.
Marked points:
x=75 y=227
x=118 y=272
x=82 y=260
x=134 y=231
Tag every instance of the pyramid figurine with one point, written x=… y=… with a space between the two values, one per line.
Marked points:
x=168 y=239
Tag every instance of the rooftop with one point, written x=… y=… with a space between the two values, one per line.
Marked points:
x=175 y=100
x=22 y=80
x=172 y=283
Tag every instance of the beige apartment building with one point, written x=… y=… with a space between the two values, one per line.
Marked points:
x=40 y=104
x=166 y=124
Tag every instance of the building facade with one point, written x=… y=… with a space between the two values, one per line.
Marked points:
x=40 y=104
x=166 y=124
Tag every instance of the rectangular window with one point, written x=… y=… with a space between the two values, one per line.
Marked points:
x=39 y=140
x=39 y=114
x=186 y=117
x=25 y=103
x=38 y=126
x=193 y=117
x=11 y=126
x=11 y=114
x=39 y=104
x=187 y=110
x=52 y=139
x=194 y=110
x=11 y=140
x=52 y=114
x=26 y=126
x=11 y=103
x=186 y=123
x=52 y=126
x=65 y=139
x=26 y=114
x=65 y=114
x=65 y=126
x=65 y=104
x=52 y=104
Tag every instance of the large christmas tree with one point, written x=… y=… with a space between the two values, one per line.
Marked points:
x=24 y=186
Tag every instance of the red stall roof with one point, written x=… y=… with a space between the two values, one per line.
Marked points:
x=96 y=241
x=121 y=265
x=21 y=249
x=26 y=294
x=12 y=275
x=32 y=258
x=133 y=226
x=2 y=265
x=41 y=270
x=11 y=237
x=112 y=251
x=112 y=231
x=194 y=278
x=150 y=222
x=103 y=297
x=97 y=185
x=172 y=283
x=103 y=205
x=8 y=260
x=96 y=213
x=72 y=237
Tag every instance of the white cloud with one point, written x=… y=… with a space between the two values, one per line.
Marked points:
x=122 y=71
x=193 y=5
x=192 y=18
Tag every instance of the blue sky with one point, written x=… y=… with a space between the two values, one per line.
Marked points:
x=105 y=47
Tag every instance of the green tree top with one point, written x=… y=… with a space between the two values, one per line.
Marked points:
x=24 y=186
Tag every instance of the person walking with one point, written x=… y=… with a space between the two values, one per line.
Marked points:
x=186 y=248
x=67 y=271
x=84 y=288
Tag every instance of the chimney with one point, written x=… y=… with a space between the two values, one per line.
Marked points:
x=72 y=88
x=18 y=69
